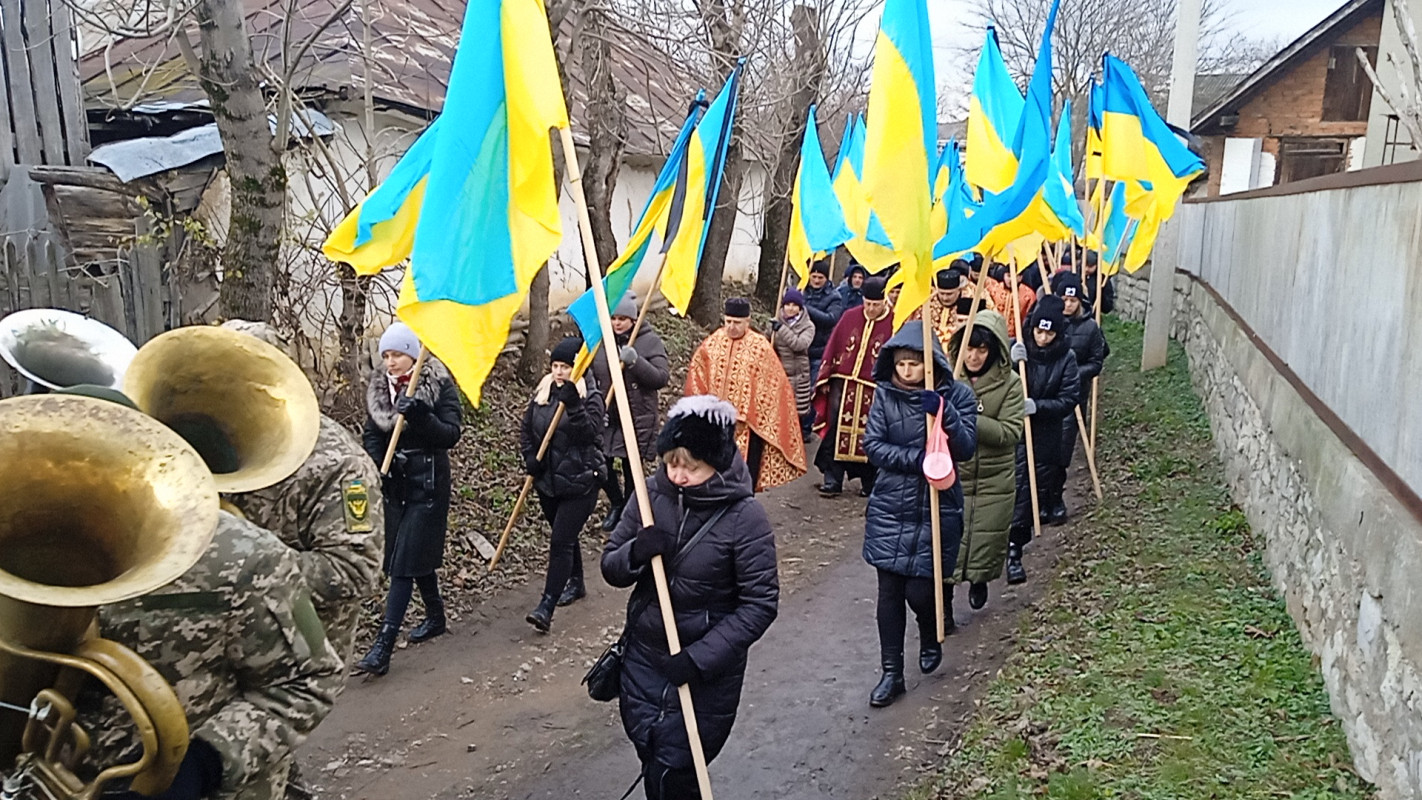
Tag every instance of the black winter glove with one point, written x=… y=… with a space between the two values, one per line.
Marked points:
x=569 y=396
x=775 y=324
x=411 y=406
x=650 y=543
x=199 y=776
x=533 y=466
x=681 y=670
x=929 y=401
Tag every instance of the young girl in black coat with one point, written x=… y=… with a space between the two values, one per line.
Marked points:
x=1053 y=388
x=568 y=476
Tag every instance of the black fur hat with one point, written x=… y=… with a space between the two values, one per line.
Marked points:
x=706 y=426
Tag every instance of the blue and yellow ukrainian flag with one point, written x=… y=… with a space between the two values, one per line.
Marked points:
x=654 y=220
x=694 y=200
x=1059 y=193
x=993 y=113
x=953 y=200
x=484 y=170
x=870 y=245
x=899 y=139
x=817 y=219
x=1014 y=214
x=1091 y=162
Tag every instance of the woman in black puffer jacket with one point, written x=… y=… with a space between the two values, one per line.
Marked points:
x=1053 y=388
x=898 y=529
x=724 y=588
x=568 y=476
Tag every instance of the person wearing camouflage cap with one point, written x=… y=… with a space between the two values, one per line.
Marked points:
x=331 y=512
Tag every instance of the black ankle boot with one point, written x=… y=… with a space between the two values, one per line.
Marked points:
x=1015 y=572
x=977 y=595
x=573 y=591
x=891 y=685
x=1056 y=511
x=930 y=655
x=610 y=521
x=377 y=661
x=542 y=617
x=433 y=624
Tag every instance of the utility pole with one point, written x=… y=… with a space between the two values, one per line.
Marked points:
x=1167 y=248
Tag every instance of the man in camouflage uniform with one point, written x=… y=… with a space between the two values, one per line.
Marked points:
x=331 y=512
x=238 y=638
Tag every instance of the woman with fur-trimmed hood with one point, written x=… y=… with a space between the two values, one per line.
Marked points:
x=418 y=487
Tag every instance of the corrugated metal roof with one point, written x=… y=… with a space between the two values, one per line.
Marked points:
x=412 y=45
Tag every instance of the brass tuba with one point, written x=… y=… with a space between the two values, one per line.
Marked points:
x=53 y=349
x=100 y=504
x=244 y=405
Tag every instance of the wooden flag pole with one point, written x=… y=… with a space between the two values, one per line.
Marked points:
x=934 y=501
x=784 y=276
x=400 y=419
x=1100 y=291
x=1027 y=427
x=634 y=457
x=972 y=320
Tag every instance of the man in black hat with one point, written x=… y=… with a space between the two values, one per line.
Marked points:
x=825 y=306
x=844 y=390
x=739 y=366
x=942 y=306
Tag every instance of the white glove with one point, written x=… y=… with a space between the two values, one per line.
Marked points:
x=1030 y=406
x=1019 y=352
x=627 y=355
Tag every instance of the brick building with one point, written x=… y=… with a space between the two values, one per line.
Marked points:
x=1303 y=113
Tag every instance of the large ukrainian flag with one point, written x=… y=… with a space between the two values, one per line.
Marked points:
x=654 y=220
x=901 y=133
x=484 y=170
x=694 y=200
x=870 y=245
x=817 y=219
x=993 y=113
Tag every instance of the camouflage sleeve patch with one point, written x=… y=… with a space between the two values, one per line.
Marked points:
x=355 y=498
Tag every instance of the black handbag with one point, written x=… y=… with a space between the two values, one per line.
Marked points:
x=604 y=678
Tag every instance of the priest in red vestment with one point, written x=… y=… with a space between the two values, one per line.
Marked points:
x=739 y=366
x=845 y=388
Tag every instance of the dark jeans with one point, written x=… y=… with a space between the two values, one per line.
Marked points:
x=665 y=783
x=894 y=592
x=566 y=516
x=398 y=600
x=619 y=487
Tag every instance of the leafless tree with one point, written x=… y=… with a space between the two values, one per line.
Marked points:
x=1406 y=102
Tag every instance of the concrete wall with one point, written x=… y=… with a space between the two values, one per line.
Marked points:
x=1343 y=536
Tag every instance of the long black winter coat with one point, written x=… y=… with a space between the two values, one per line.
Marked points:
x=825 y=307
x=1108 y=294
x=1054 y=385
x=726 y=593
x=898 y=530
x=417 y=491
x=644 y=380
x=1088 y=343
x=574 y=464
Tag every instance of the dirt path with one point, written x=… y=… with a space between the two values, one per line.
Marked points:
x=494 y=711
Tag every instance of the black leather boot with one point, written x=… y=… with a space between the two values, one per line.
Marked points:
x=610 y=521
x=377 y=661
x=930 y=654
x=1015 y=572
x=434 y=623
x=542 y=617
x=891 y=685
x=977 y=595
x=574 y=591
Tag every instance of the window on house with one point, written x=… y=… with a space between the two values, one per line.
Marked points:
x=1300 y=159
x=1347 y=92
x=1397 y=144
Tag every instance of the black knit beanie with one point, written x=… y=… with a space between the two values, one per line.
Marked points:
x=566 y=351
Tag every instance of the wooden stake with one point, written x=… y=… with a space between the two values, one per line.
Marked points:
x=972 y=319
x=400 y=419
x=634 y=457
x=934 y=501
x=1027 y=427
x=1090 y=456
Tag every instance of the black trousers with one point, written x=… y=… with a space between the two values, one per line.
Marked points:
x=1051 y=481
x=566 y=516
x=618 y=484
x=665 y=783
x=401 y=589
x=896 y=591
x=835 y=471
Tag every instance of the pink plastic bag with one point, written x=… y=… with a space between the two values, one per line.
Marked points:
x=938 y=467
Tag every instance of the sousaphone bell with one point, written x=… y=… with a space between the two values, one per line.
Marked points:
x=53 y=349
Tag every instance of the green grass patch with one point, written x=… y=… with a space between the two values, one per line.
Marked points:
x=1160 y=665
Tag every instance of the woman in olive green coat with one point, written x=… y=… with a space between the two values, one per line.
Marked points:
x=990 y=477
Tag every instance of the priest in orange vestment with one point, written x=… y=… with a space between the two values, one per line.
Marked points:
x=739 y=366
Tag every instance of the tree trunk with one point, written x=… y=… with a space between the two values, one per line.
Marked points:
x=705 y=308
x=233 y=86
x=809 y=70
x=607 y=131
x=350 y=328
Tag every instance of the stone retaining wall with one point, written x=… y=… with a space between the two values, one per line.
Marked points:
x=1342 y=548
